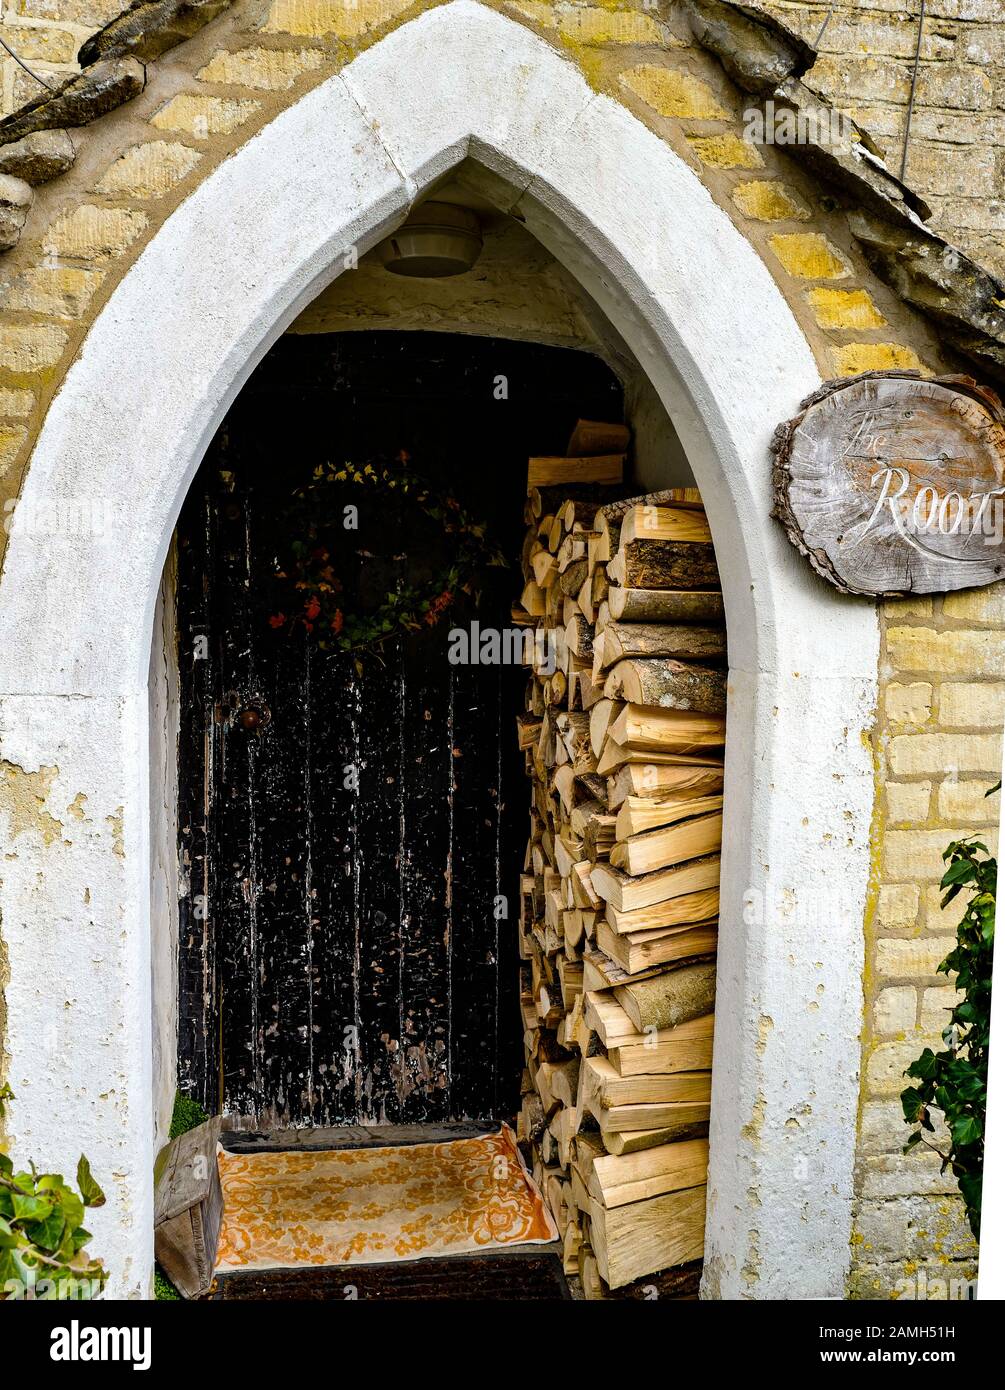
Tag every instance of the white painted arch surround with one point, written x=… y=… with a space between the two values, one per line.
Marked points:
x=183 y=330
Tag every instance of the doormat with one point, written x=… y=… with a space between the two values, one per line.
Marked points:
x=364 y=1206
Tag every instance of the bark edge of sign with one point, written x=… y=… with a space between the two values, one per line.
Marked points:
x=784 y=458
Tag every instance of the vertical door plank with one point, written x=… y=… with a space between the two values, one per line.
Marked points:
x=427 y=770
x=198 y=664
x=334 y=719
x=379 y=811
x=474 y=796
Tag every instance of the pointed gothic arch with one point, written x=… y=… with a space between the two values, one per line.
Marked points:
x=217 y=284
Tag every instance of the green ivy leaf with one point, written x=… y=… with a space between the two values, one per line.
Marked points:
x=31 y=1208
x=48 y=1233
x=90 y=1192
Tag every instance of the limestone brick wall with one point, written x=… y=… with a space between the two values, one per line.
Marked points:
x=943 y=674
x=956 y=152
x=938 y=750
x=45 y=34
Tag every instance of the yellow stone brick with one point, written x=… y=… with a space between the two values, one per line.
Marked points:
x=809 y=256
x=887 y=1064
x=148 y=171
x=595 y=25
x=344 y=18
x=897 y=904
x=852 y=358
x=967 y=705
x=90 y=233
x=266 y=69
x=977 y=605
x=89 y=14
x=61 y=292
x=899 y=608
x=907 y=801
x=913 y=856
x=967 y=802
x=935 y=1006
x=726 y=151
x=16 y=404
x=202 y=116
x=883 y=1126
x=767 y=201
x=959 y=653
x=537 y=11
x=49 y=44
x=909 y=704
x=30 y=347
x=919 y=753
x=906 y=1175
x=11 y=439
x=916 y=958
x=851 y=309
x=895 y=1009
x=671 y=92
x=935 y=916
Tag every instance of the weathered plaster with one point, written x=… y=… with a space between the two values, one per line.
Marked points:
x=24 y=795
x=165 y=705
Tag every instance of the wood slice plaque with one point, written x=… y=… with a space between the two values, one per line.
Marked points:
x=891 y=483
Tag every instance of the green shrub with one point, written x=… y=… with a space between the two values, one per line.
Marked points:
x=164 y=1290
x=187 y=1113
x=955 y=1080
x=42 y=1235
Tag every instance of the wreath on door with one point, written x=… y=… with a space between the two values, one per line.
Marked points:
x=313 y=596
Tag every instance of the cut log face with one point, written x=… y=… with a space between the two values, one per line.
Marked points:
x=665 y=606
x=614 y=756
x=671 y=844
x=890 y=484
x=549 y=472
x=626 y=892
x=615 y=1181
x=598 y=437
x=653 y=780
x=647 y=564
x=637 y=952
x=643 y=813
x=628 y=1239
x=684 y=1051
x=667 y=684
x=652 y=523
x=700 y=906
x=670 y=998
x=629 y=640
x=649 y=730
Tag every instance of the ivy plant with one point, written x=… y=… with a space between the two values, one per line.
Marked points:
x=42 y=1235
x=954 y=1081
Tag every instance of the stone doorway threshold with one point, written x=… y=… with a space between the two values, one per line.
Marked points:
x=308 y=1140
x=503 y=1277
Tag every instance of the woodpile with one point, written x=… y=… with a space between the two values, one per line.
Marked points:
x=623 y=735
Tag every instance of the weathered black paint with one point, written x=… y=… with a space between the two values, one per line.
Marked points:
x=341 y=959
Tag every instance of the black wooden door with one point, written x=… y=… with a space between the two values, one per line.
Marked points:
x=351 y=859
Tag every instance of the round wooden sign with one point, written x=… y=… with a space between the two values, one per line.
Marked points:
x=890 y=483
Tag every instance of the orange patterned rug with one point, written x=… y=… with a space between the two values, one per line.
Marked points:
x=363 y=1206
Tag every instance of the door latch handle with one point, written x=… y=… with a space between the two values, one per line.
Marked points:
x=254 y=717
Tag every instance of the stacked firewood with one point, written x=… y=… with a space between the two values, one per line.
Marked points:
x=623 y=734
